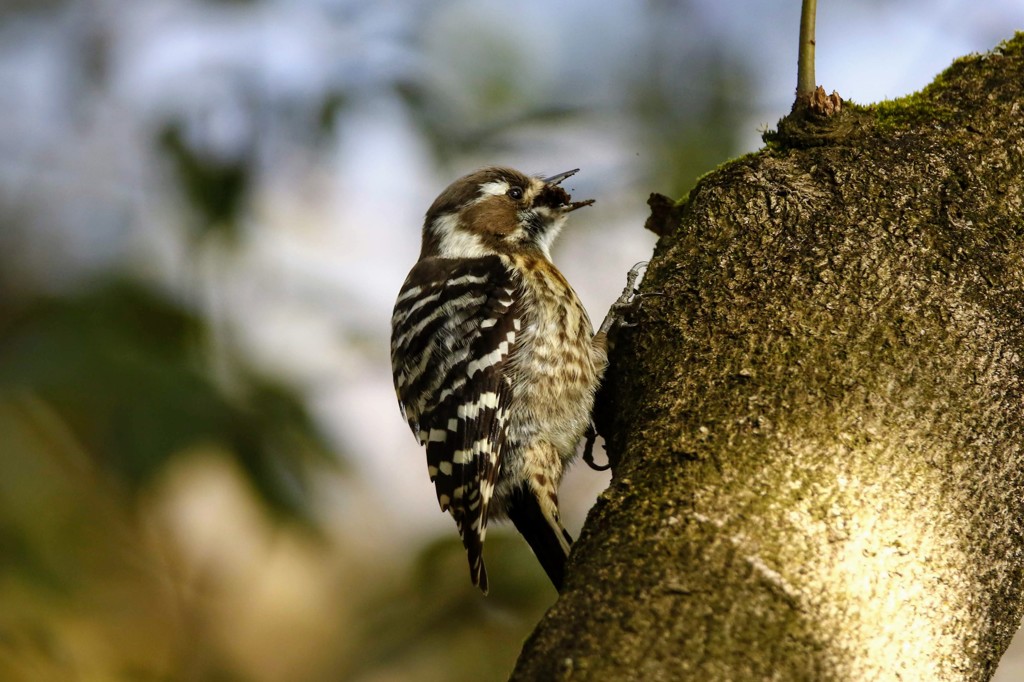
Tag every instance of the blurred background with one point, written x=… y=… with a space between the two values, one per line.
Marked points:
x=206 y=211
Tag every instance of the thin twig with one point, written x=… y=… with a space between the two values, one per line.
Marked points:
x=805 y=81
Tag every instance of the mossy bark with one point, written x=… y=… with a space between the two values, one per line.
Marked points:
x=817 y=430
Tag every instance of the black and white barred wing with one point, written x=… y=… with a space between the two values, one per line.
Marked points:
x=453 y=330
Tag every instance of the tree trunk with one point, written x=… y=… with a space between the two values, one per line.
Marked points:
x=817 y=431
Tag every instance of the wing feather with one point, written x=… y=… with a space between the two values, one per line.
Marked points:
x=450 y=358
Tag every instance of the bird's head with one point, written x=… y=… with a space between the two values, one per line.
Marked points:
x=497 y=211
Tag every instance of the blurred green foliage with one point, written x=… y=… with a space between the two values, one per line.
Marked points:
x=434 y=628
x=216 y=188
x=104 y=393
x=125 y=370
x=691 y=136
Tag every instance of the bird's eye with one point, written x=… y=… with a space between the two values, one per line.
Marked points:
x=515 y=193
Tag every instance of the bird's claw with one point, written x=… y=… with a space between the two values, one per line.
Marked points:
x=588 y=449
x=627 y=303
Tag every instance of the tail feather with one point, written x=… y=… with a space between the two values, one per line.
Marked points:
x=544 y=532
x=477 y=571
x=473 y=540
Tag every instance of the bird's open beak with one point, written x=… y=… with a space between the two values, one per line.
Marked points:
x=557 y=179
x=579 y=204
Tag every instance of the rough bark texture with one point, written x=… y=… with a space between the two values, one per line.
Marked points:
x=818 y=431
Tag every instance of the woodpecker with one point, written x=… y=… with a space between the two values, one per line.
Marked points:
x=495 y=360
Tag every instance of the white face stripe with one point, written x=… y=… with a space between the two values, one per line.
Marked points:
x=456 y=242
x=497 y=188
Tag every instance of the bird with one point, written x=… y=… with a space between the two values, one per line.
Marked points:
x=495 y=361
